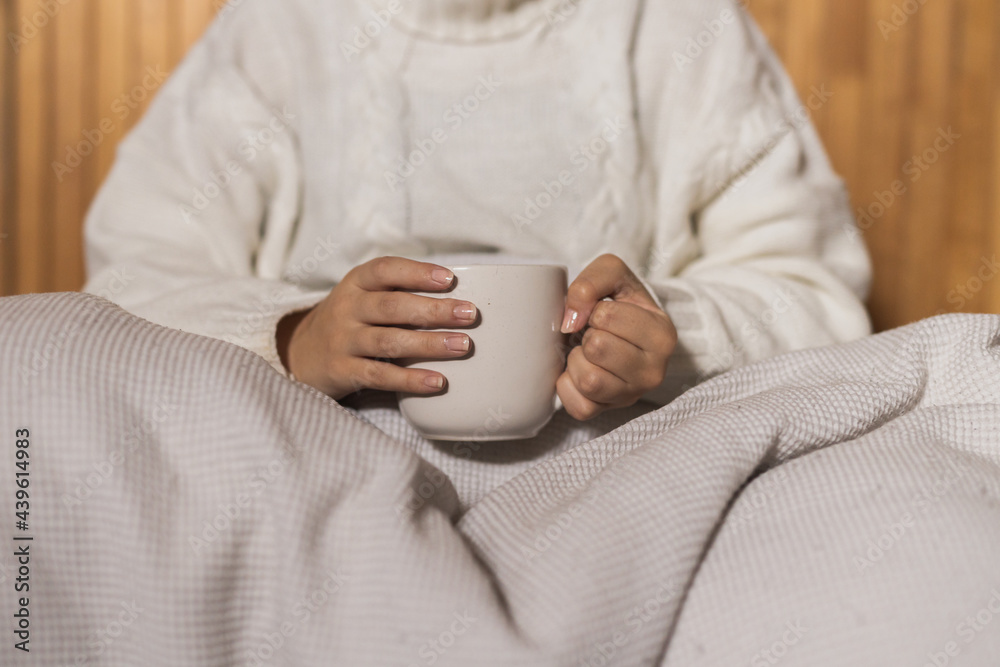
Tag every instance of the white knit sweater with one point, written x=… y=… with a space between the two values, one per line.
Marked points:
x=300 y=138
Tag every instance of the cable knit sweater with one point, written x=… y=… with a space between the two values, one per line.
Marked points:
x=301 y=138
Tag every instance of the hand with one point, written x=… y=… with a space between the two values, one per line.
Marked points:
x=626 y=347
x=345 y=343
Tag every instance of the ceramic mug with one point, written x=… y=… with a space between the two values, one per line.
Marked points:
x=505 y=388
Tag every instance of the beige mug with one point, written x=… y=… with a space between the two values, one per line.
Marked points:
x=505 y=388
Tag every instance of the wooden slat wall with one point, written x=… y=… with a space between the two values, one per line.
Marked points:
x=893 y=91
x=7 y=83
x=58 y=85
x=892 y=94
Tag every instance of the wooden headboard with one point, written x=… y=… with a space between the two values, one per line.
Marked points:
x=899 y=83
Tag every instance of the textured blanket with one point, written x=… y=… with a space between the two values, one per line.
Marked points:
x=183 y=504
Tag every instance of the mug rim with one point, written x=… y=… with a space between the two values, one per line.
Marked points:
x=464 y=267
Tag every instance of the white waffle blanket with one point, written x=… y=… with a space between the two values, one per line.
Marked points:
x=189 y=506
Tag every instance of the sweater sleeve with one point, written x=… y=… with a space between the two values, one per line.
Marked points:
x=192 y=226
x=755 y=251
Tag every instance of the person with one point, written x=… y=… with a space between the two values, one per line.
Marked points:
x=311 y=163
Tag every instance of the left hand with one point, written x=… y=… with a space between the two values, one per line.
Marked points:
x=626 y=347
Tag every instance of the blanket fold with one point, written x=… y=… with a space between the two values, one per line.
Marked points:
x=190 y=506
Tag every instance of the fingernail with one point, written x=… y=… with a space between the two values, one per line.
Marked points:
x=442 y=276
x=465 y=311
x=457 y=343
x=569 y=323
x=434 y=381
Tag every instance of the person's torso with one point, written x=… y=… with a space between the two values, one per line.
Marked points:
x=521 y=146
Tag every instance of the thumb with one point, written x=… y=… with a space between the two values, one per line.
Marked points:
x=606 y=277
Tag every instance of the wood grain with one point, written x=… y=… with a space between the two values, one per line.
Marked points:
x=113 y=63
x=31 y=107
x=896 y=90
x=69 y=114
x=8 y=147
x=899 y=82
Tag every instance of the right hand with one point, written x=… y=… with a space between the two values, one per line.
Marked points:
x=346 y=342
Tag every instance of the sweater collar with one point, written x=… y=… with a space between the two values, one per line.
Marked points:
x=466 y=20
